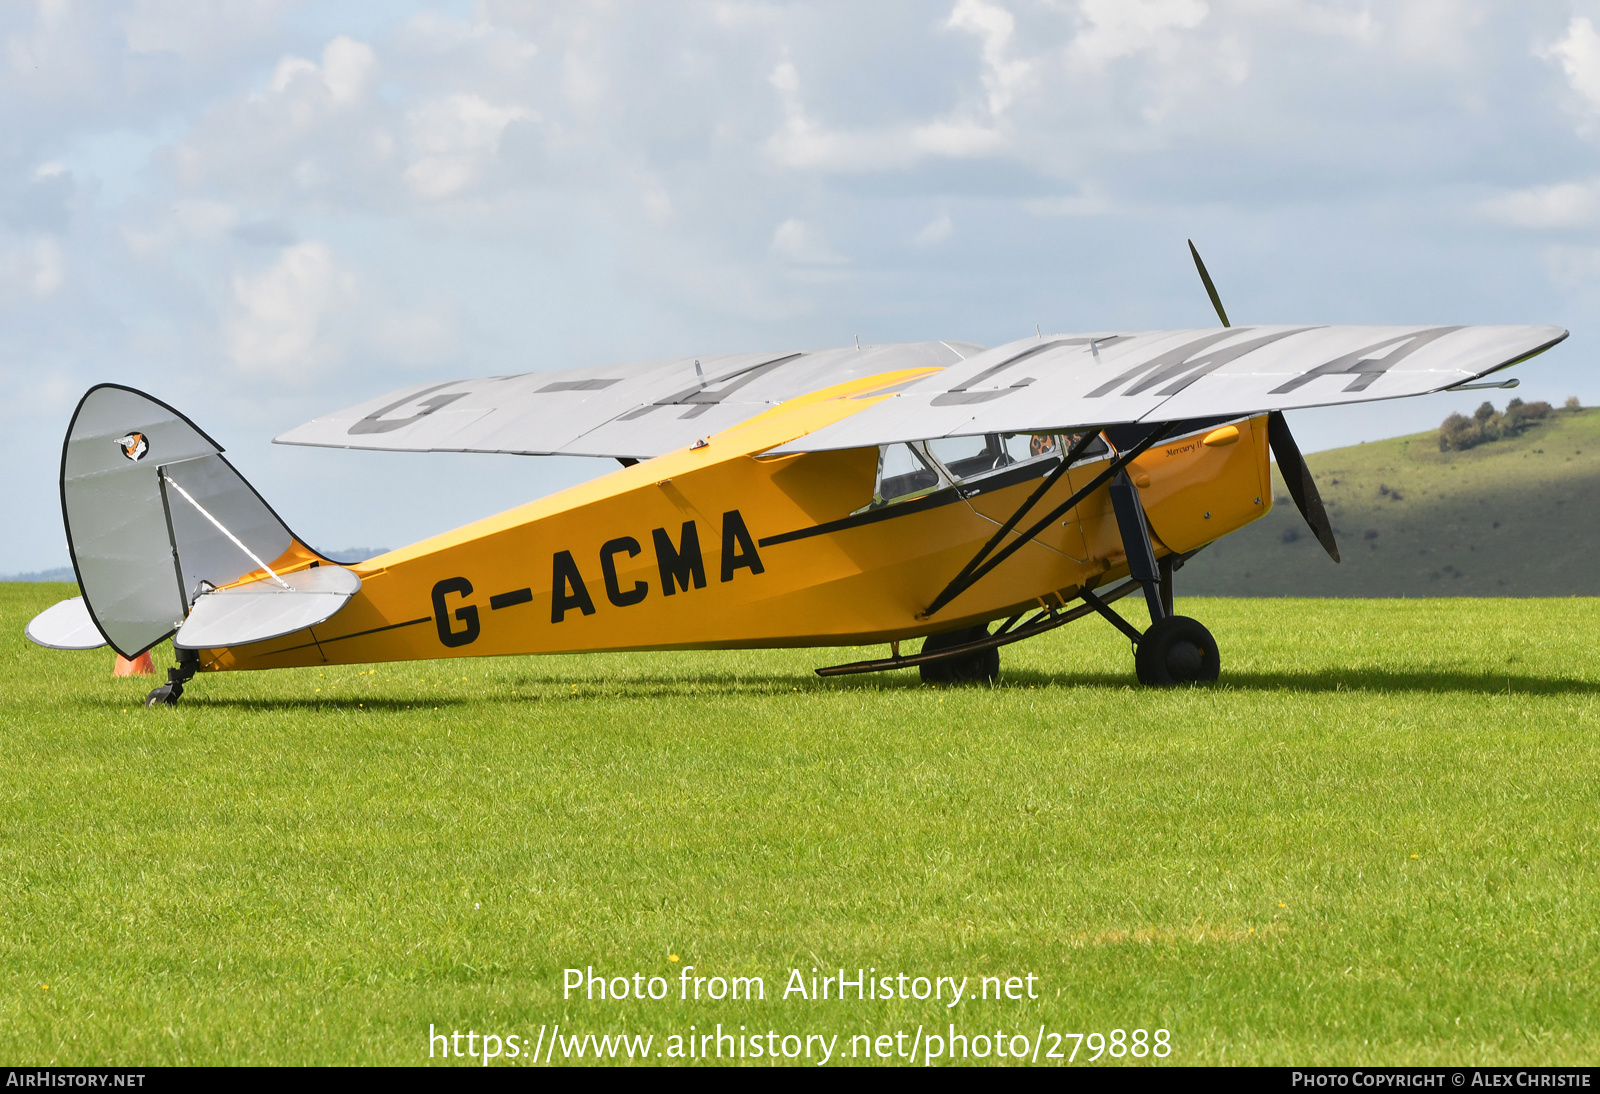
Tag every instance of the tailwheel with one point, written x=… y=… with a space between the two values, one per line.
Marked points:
x=1177 y=650
x=982 y=667
x=166 y=695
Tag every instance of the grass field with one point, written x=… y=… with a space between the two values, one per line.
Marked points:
x=1516 y=517
x=1374 y=842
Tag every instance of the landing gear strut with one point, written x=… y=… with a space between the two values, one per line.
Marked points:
x=168 y=694
x=1176 y=649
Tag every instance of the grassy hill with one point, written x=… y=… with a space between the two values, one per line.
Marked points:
x=1516 y=517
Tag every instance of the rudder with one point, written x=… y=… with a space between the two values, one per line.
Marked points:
x=143 y=492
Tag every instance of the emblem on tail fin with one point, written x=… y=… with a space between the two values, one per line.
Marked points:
x=134 y=445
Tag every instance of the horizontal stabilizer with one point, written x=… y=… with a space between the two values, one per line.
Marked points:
x=66 y=626
x=269 y=608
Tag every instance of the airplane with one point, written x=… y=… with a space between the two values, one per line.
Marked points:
x=971 y=497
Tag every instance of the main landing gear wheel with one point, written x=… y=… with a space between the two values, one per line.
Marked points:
x=1177 y=650
x=982 y=667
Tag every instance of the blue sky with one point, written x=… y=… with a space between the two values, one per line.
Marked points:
x=261 y=212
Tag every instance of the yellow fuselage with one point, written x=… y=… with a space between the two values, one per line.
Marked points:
x=718 y=546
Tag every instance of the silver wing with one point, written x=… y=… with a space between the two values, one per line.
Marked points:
x=642 y=410
x=634 y=411
x=1063 y=381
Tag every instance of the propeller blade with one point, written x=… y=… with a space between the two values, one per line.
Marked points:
x=1302 y=487
x=1211 y=290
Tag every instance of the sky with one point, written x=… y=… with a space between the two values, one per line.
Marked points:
x=263 y=211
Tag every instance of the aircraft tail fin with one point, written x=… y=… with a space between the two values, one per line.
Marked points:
x=156 y=519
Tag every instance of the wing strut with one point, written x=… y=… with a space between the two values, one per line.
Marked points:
x=1135 y=530
x=977 y=569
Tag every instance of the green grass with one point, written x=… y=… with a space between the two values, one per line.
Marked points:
x=1375 y=842
x=1517 y=517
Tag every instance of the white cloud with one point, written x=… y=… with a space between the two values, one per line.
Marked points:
x=282 y=313
x=1113 y=29
x=1004 y=76
x=1573 y=267
x=1085 y=204
x=796 y=241
x=456 y=137
x=955 y=140
x=199 y=33
x=37 y=268
x=1563 y=205
x=803 y=143
x=935 y=231
x=347 y=70
x=187 y=221
x=413 y=338
x=48 y=267
x=348 y=67
x=1579 y=54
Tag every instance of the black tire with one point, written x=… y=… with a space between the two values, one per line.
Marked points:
x=1177 y=650
x=163 y=696
x=982 y=667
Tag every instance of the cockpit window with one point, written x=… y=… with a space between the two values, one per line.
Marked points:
x=1096 y=447
x=1029 y=446
x=965 y=457
x=968 y=458
x=903 y=473
x=907 y=471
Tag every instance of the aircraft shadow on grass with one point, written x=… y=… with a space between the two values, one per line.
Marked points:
x=1379 y=680
x=552 y=689
x=422 y=703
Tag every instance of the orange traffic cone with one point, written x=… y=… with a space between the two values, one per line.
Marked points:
x=139 y=666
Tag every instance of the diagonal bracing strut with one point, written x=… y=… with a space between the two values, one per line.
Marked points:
x=977 y=569
x=1050 y=480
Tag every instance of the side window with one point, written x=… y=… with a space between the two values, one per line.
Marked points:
x=902 y=473
x=907 y=471
x=1030 y=446
x=1097 y=447
x=965 y=457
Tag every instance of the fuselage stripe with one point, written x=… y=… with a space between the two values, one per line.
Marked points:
x=357 y=634
x=918 y=505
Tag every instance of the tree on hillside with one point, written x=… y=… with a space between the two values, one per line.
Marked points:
x=1458 y=432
